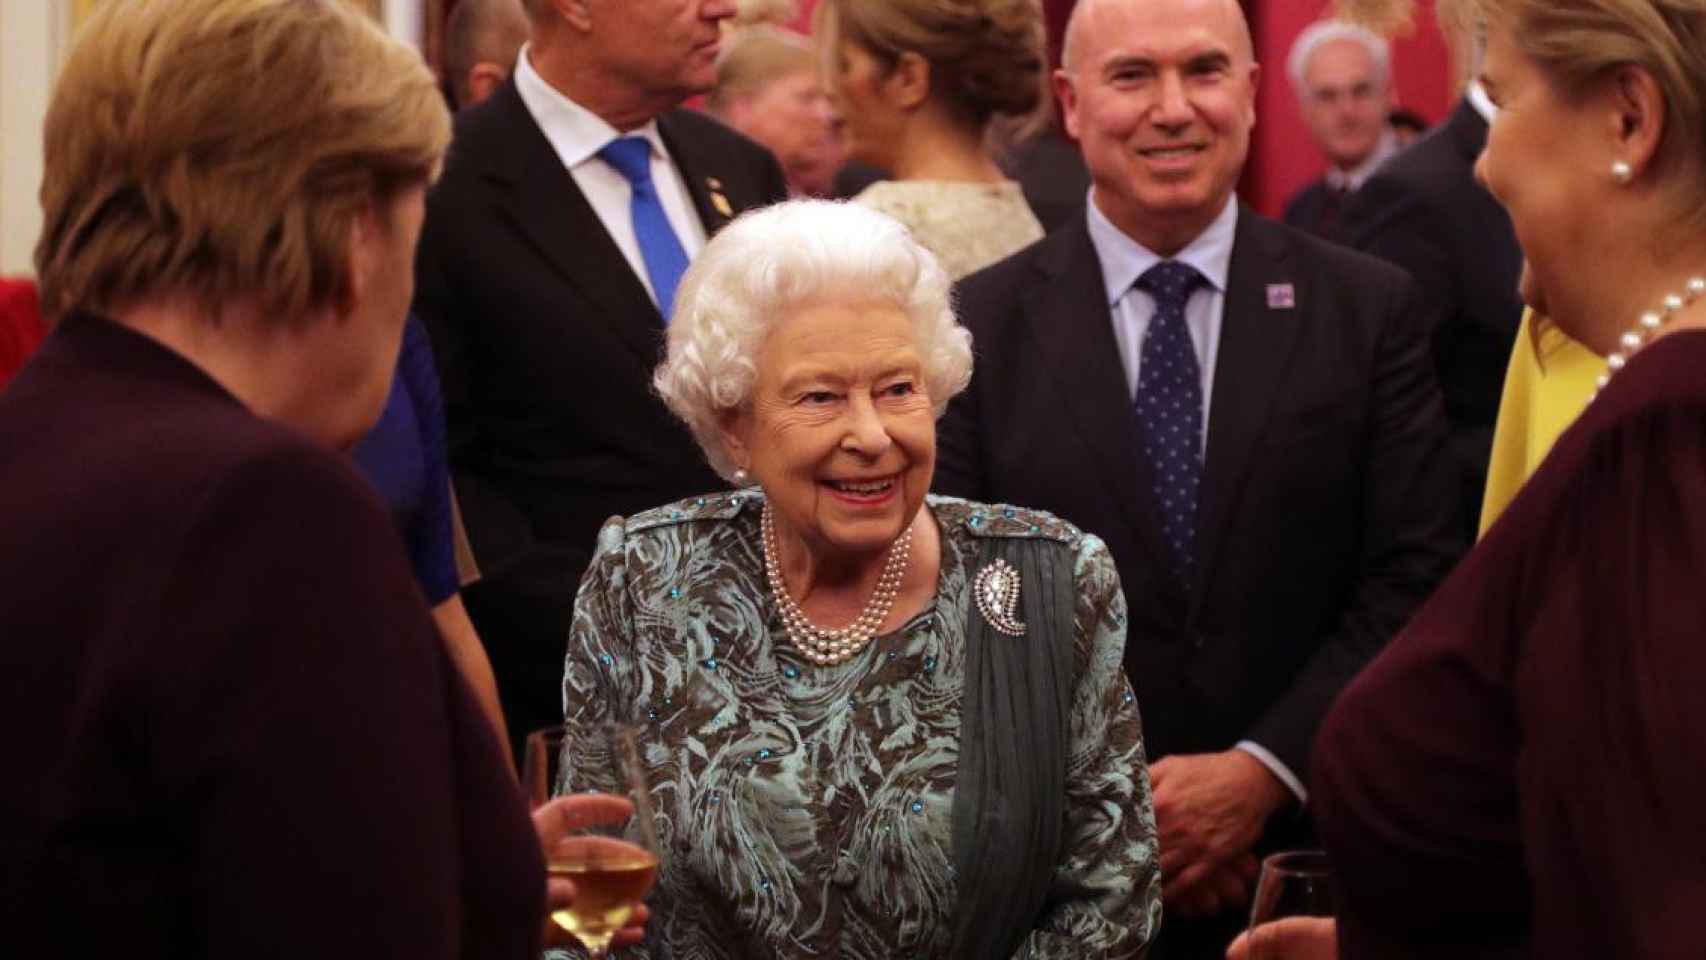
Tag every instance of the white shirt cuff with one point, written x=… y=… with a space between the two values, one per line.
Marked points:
x=1276 y=768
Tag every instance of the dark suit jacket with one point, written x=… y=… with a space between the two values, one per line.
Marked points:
x=546 y=342
x=1309 y=210
x=1321 y=520
x=1424 y=211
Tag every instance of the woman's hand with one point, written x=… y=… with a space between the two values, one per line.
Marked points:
x=558 y=819
x=1294 y=938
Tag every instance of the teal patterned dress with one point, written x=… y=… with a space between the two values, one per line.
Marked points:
x=805 y=811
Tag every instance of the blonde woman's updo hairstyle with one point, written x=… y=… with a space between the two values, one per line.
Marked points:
x=1579 y=42
x=988 y=58
x=769 y=262
x=223 y=149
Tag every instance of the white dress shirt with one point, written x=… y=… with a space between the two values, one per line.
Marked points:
x=1124 y=260
x=577 y=134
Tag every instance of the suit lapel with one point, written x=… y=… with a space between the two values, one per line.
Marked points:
x=541 y=199
x=707 y=185
x=1258 y=333
x=1074 y=337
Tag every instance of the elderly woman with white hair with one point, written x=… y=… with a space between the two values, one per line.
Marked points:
x=880 y=723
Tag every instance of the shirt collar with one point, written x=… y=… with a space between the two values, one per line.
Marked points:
x=1354 y=178
x=1124 y=260
x=1483 y=104
x=574 y=132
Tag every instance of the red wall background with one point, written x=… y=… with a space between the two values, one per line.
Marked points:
x=1282 y=158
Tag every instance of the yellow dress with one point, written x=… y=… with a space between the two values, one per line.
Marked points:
x=1541 y=398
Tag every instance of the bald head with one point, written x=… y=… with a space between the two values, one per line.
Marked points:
x=1096 y=18
x=480 y=44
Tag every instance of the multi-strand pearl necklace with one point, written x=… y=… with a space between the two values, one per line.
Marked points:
x=827 y=647
x=1647 y=326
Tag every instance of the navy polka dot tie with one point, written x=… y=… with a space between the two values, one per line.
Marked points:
x=1169 y=408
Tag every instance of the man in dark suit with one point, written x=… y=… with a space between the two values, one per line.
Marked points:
x=1425 y=212
x=572 y=201
x=1341 y=74
x=1244 y=413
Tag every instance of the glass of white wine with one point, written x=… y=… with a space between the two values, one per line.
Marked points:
x=612 y=863
x=1291 y=917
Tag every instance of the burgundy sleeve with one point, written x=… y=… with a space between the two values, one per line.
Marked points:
x=1612 y=765
x=302 y=726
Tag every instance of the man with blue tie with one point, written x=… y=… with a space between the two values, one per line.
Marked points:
x=1245 y=414
x=573 y=199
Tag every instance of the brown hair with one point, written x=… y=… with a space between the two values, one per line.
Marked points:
x=1579 y=42
x=987 y=58
x=220 y=149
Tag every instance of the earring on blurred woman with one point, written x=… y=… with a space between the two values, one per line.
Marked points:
x=1621 y=171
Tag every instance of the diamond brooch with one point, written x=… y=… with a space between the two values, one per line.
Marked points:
x=996 y=589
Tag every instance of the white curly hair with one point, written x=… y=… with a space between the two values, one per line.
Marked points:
x=768 y=262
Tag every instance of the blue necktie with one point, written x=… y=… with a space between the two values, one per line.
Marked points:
x=1169 y=408
x=660 y=248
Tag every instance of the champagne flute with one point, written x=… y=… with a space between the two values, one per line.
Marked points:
x=612 y=863
x=1291 y=916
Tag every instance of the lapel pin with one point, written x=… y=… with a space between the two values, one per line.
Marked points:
x=1281 y=296
x=721 y=202
x=996 y=589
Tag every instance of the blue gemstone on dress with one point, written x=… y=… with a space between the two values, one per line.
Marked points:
x=917 y=806
x=675 y=593
x=1036 y=529
x=764 y=754
x=893 y=654
x=607 y=659
x=929 y=664
x=699 y=502
x=790 y=671
x=1009 y=513
x=675 y=514
x=651 y=714
x=976 y=520
x=764 y=883
x=1129 y=696
x=710 y=663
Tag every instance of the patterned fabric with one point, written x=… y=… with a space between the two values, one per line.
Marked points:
x=968 y=226
x=805 y=811
x=665 y=259
x=1169 y=407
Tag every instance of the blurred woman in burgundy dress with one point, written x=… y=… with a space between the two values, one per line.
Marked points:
x=1521 y=773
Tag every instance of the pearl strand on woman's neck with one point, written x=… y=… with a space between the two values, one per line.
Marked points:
x=1647 y=326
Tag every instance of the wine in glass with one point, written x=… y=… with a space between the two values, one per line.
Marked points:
x=610 y=854
x=1291 y=917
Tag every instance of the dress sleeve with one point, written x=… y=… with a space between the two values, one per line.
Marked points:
x=1106 y=897
x=598 y=670
x=1608 y=696
x=315 y=747
x=431 y=542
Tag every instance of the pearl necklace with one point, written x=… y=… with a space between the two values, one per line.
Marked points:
x=1647 y=326
x=827 y=647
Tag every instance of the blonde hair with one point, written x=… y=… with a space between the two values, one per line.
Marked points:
x=755 y=57
x=220 y=149
x=1579 y=42
x=988 y=58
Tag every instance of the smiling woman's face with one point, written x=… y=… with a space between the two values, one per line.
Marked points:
x=840 y=432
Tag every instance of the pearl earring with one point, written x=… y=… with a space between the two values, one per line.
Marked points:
x=1621 y=171
x=741 y=477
